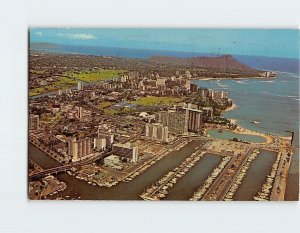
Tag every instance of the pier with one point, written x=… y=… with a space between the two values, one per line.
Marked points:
x=281 y=177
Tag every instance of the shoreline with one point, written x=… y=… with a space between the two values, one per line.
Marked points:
x=269 y=137
x=232 y=107
x=241 y=130
x=240 y=78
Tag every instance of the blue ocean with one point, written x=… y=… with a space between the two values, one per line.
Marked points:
x=274 y=103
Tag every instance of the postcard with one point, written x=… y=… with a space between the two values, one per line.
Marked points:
x=163 y=114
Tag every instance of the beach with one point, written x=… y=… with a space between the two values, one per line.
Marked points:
x=232 y=107
x=240 y=130
x=269 y=138
x=240 y=78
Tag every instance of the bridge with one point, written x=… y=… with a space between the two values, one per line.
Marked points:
x=65 y=168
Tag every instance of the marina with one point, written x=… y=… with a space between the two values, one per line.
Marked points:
x=240 y=175
x=202 y=190
x=255 y=176
x=123 y=190
x=266 y=189
x=186 y=186
x=160 y=188
x=269 y=96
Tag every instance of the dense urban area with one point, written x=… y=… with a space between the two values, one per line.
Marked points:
x=139 y=129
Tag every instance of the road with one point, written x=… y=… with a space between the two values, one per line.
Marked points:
x=223 y=182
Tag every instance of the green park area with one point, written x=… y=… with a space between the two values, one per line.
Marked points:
x=94 y=76
x=104 y=104
x=156 y=100
x=126 y=110
x=106 y=107
x=109 y=111
x=61 y=83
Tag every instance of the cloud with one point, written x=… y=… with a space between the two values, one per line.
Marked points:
x=78 y=36
x=38 y=33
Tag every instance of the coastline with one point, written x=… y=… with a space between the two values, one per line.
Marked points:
x=240 y=130
x=269 y=137
x=240 y=78
x=231 y=108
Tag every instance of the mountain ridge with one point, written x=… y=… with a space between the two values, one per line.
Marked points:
x=220 y=62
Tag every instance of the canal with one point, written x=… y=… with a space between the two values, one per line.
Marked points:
x=255 y=176
x=122 y=191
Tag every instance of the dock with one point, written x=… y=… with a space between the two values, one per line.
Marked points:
x=280 y=182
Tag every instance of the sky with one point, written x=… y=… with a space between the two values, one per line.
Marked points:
x=255 y=42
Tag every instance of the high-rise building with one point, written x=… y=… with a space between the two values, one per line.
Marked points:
x=79 y=112
x=193 y=87
x=79 y=149
x=126 y=150
x=175 y=120
x=99 y=143
x=135 y=155
x=162 y=117
x=207 y=112
x=73 y=149
x=211 y=93
x=190 y=118
x=80 y=85
x=157 y=132
x=34 y=122
x=218 y=95
x=225 y=95
x=178 y=123
x=107 y=135
x=194 y=117
x=195 y=120
x=203 y=93
x=187 y=84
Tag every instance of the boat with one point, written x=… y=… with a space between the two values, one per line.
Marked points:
x=254 y=122
x=220 y=131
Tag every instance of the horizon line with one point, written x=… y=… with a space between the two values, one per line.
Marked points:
x=147 y=49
